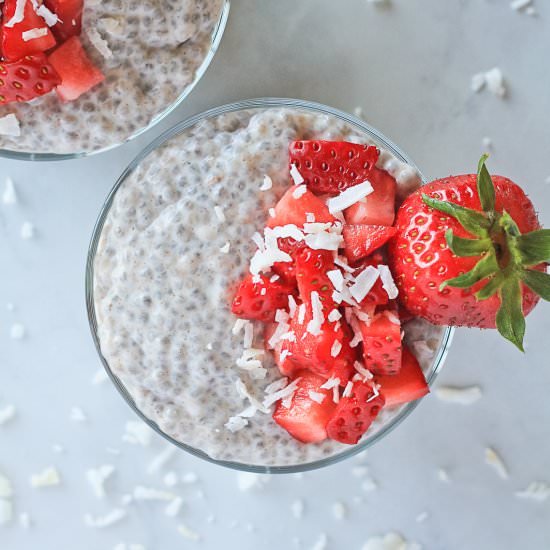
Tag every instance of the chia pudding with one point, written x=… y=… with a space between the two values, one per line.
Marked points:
x=175 y=242
x=148 y=51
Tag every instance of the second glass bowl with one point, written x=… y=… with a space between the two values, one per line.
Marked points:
x=157 y=281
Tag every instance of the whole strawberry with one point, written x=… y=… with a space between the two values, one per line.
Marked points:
x=469 y=251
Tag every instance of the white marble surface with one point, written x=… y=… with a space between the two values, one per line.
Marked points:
x=409 y=68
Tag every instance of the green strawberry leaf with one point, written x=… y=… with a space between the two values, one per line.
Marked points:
x=509 y=225
x=534 y=247
x=490 y=288
x=510 y=321
x=473 y=221
x=538 y=282
x=485 y=187
x=467 y=247
x=486 y=267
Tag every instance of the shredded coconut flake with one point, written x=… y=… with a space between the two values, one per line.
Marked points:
x=337 y=279
x=27 y=231
x=159 y=461
x=336 y=348
x=334 y=316
x=25 y=520
x=19 y=13
x=49 y=17
x=492 y=458
x=272 y=212
x=137 y=433
x=297 y=508
x=173 y=508
x=9 y=196
x=225 y=248
x=495 y=82
x=99 y=377
x=9 y=125
x=266 y=184
x=339 y=510
x=6 y=414
x=348 y=389
x=146 y=493
x=6 y=490
x=276 y=386
x=218 y=212
x=99 y=43
x=460 y=395
x=520 y=5
x=314 y=326
x=47 y=478
x=77 y=415
x=100 y=522
x=170 y=479
x=316 y=396
x=300 y=191
x=98 y=476
x=322 y=542
x=391 y=541
x=364 y=283
x=6 y=511
x=342 y=262
x=249 y=480
x=422 y=517
x=295 y=175
x=387 y=282
x=443 y=475
x=349 y=197
x=286 y=392
x=33 y=34
x=538 y=491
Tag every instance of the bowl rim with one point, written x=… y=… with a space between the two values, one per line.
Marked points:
x=250 y=104
x=217 y=35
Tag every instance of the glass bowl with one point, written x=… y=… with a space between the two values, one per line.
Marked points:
x=358 y=125
x=198 y=73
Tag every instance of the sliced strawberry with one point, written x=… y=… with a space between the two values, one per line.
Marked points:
x=311 y=274
x=315 y=351
x=305 y=419
x=362 y=240
x=354 y=414
x=378 y=208
x=408 y=385
x=69 y=13
x=382 y=343
x=17 y=38
x=330 y=167
x=78 y=73
x=260 y=301
x=294 y=209
x=26 y=78
x=287 y=270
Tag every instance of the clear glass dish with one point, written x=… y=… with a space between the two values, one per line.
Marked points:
x=198 y=74
x=357 y=124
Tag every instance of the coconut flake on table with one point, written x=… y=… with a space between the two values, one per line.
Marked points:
x=322 y=542
x=364 y=282
x=297 y=508
x=99 y=377
x=100 y=522
x=9 y=125
x=391 y=541
x=295 y=175
x=59 y=449
x=492 y=79
x=147 y=493
x=7 y=413
x=6 y=490
x=77 y=415
x=9 y=196
x=188 y=533
x=443 y=475
x=349 y=197
x=6 y=511
x=97 y=477
x=493 y=459
x=250 y=480
x=339 y=510
x=137 y=433
x=466 y=395
x=422 y=517
x=33 y=34
x=369 y=485
x=17 y=331
x=27 y=230
x=521 y=5
x=173 y=508
x=487 y=143
x=161 y=459
x=49 y=477
x=25 y=520
x=538 y=491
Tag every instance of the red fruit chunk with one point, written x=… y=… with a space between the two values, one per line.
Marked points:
x=260 y=301
x=314 y=352
x=382 y=343
x=362 y=240
x=311 y=274
x=354 y=415
x=14 y=46
x=27 y=78
x=378 y=207
x=408 y=385
x=78 y=73
x=287 y=270
x=290 y=209
x=305 y=419
x=69 y=13
x=332 y=166
x=377 y=295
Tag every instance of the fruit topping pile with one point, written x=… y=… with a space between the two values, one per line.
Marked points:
x=320 y=283
x=41 y=51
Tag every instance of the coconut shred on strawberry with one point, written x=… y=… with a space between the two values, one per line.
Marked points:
x=337 y=326
x=41 y=51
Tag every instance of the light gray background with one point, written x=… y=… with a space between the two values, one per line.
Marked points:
x=409 y=68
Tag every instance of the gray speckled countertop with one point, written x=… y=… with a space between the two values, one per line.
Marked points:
x=409 y=68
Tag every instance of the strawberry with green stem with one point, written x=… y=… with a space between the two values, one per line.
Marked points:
x=470 y=252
